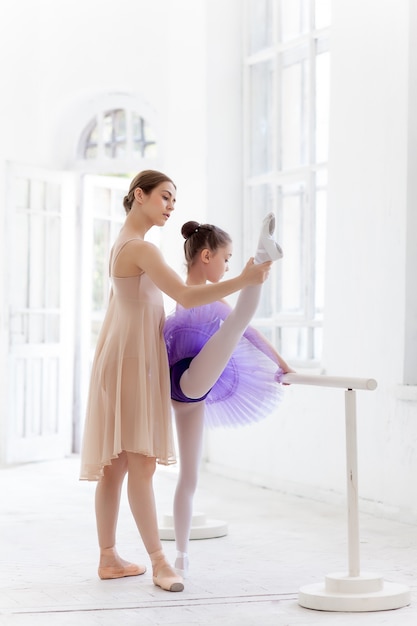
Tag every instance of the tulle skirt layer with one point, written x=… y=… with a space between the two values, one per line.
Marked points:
x=248 y=389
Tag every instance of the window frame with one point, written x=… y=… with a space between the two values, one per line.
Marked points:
x=310 y=320
x=134 y=157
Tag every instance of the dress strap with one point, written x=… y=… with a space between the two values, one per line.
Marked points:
x=112 y=259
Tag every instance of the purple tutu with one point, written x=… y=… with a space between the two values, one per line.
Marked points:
x=247 y=390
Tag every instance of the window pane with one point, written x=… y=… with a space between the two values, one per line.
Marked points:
x=320 y=242
x=317 y=343
x=111 y=136
x=294 y=343
x=36 y=328
x=53 y=197
x=36 y=262
x=91 y=152
x=52 y=326
x=20 y=290
x=108 y=135
x=18 y=329
x=148 y=133
x=21 y=193
x=294 y=18
x=102 y=201
x=260 y=18
x=118 y=210
x=100 y=269
x=261 y=201
x=287 y=137
x=119 y=149
x=138 y=149
x=292 y=237
x=93 y=135
x=34 y=413
x=119 y=123
x=144 y=140
x=95 y=331
x=294 y=105
x=138 y=127
x=151 y=151
x=267 y=332
x=50 y=398
x=37 y=195
x=108 y=128
x=322 y=105
x=261 y=118
x=53 y=262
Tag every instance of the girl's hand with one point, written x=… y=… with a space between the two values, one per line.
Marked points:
x=255 y=273
x=287 y=370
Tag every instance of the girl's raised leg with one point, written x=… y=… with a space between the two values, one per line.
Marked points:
x=208 y=364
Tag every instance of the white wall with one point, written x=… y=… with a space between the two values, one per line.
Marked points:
x=301 y=448
x=69 y=57
x=62 y=62
x=59 y=60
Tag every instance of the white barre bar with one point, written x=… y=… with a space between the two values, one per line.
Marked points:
x=329 y=381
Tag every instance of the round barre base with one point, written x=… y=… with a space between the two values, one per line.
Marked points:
x=367 y=592
x=201 y=528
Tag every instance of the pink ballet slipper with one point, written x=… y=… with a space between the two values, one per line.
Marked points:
x=164 y=575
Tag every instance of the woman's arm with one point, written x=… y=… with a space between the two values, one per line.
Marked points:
x=149 y=258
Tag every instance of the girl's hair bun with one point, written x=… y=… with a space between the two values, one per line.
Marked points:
x=189 y=228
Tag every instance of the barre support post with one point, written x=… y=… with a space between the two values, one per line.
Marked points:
x=352 y=483
x=354 y=591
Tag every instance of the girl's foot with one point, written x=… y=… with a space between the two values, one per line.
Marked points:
x=164 y=575
x=268 y=249
x=112 y=566
x=182 y=564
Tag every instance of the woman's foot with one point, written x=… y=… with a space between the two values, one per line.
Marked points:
x=182 y=564
x=113 y=566
x=164 y=575
x=268 y=249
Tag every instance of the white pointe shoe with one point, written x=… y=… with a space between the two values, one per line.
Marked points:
x=268 y=249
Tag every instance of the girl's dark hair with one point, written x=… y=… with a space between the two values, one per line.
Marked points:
x=147 y=181
x=200 y=236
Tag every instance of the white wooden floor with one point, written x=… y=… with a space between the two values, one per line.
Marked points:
x=251 y=577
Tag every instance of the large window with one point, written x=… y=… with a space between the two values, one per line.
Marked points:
x=286 y=136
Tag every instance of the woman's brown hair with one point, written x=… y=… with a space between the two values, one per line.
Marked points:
x=147 y=181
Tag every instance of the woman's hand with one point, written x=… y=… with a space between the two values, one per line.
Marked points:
x=255 y=273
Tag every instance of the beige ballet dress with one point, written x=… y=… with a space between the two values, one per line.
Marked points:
x=129 y=406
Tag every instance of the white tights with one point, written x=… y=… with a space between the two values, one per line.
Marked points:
x=196 y=381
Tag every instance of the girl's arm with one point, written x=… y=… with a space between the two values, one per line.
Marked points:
x=149 y=258
x=265 y=346
x=260 y=342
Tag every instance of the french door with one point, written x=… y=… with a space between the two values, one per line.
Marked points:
x=60 y=227
x=40 y=289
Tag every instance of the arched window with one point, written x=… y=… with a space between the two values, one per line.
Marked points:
x=119 y=134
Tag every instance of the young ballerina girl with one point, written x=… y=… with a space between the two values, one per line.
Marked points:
x=128 y=422
x=223 y=373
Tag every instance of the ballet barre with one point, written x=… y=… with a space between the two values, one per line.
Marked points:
x=356 y=590
x=330 y=381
